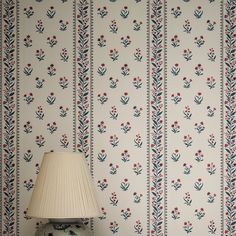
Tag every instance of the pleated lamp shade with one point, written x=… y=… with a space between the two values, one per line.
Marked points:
x=63 y=188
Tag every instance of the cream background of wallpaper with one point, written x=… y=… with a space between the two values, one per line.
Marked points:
x=141 y=212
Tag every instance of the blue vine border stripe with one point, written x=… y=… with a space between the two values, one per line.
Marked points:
x=230 y=118
x=157 y=116
x=9 y=120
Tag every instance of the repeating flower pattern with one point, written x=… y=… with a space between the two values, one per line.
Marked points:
x=157 y=130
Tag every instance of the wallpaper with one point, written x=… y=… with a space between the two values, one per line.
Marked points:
x=146 y=89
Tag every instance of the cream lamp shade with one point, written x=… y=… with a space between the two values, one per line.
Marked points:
x=63 y=188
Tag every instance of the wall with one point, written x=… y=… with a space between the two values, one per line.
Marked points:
x=144 y=88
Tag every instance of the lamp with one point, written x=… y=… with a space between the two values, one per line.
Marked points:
x=64 y=194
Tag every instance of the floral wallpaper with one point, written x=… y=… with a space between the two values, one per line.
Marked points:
x=146 y=89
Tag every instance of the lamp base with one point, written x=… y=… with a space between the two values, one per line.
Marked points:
x=54 y=228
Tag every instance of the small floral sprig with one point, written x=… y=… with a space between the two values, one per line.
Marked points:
x=199 y=127
x=187 y=199
x=113 y=27
x=52 y=41
x=102 y=69
x=199 y=156
x=39 y=113
x=101 y=41
x=187 y=27
x=113 y=199
x=199 y=70
x=40 y=140
x=137 y=25
x=176 y=12
x=198 y=12
x=125 y=70
x=210 y=25
x=113 y=168
x=175 y=42
x=175 y=127
x=187 y=54
x=114 y=54
x=39 y=27
x=114 y=227
x=102 y=156
x=211 y=82
x=63 y=82
x=211 y=168
x=102 y=11
x=188 y=140
x=64 y=55
x=113 y=82
x=137 y=168
x=29 y=98
x=188 y=227
x=114 y=140
x=28 y=184
x=138 y=55
x=175 y=69
x=63 y=25
x=211 y=55
x=102 y=184
x=125 y=213
x=51 y=12
x=125 y=184
x=199 y=41
x=125 y=156
x=137 y=197
x=125 y=41
x=187 y=82
x=102 y=98
x=200 y=213
x=28 y=155
x=211 y=141
x=175 y=156
x=211 y=197
x=103 y=214
x=176 y=98
x=40 y=54
x=39 y=82
x=137 y=111
x=137 y=82
x=28 y=127
x=51 y=98
x=124 y=99
x=138 y=229
x=176 y=184
x=138 y=141
x=198 y=98
x=198 y=184
x=39 y=224
x=212 y=227
x=187 y=112
x=64 y=141
x=187 y=168
x=26 y=217
x=51 y=70
x=29 y=11
x=113 y=113
x=124 y=13
x=28 y=69
x=211 y=111
x=63 y=111
x=28 y=41
x=52 y=127
x=175 y=214
x=101 y=127
x=125 y=127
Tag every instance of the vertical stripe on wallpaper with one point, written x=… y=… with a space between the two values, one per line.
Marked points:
x=8 y=212
x=230 y=106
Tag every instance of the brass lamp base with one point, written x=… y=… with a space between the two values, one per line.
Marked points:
x=63 y=228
